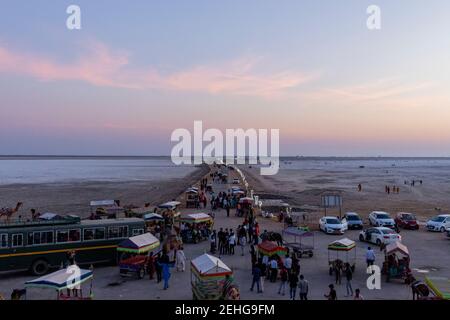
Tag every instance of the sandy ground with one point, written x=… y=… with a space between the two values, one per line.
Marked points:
x=305 y=186
x=429 y=255
x=74 y=198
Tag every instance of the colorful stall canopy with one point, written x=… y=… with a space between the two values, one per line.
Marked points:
x=195 y=218
x=440 y=286
x=139 y=244
x=397 y=247
x=342 y=245
x=270 y=248
x=210 y=266
x=61 y=279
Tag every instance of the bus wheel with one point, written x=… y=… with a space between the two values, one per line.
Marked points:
x=39 y=267
x=141 y=273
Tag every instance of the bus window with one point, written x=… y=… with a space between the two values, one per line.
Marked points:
x=74 y=235
x=137 y=232
x=94 y=234
x=62 y=236
x=40 y=237
x=17 y=240
x=118 y=232
x=3 y=240
x=100 y=234
x=46 y=237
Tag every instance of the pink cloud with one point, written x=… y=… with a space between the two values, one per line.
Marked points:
x=103 y=67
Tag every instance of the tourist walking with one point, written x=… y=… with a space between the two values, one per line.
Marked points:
x=256 y=272
x=288 y=264
x=370 y=257
x=242 y=242
x=181 y=259
x=232 y=242
x=273 y=270
x=151 y=265
x=293 y=282
x=284 y=279
x=303 y=288
x=213 y=240
x=158 y=268
x=348 y=279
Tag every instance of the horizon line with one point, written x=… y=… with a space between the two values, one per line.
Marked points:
x=168 y=156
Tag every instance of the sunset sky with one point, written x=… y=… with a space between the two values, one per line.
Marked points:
x=137 y=70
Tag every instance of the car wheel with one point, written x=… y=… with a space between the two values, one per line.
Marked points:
x=442 y=229
x=39 y=267
x=378 y=242
x=361 y=238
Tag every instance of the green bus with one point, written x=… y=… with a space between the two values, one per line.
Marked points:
x=41 y=245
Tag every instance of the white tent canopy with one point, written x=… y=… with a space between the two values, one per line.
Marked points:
x=153 y=216
x=197 y=216
x=144 y=239
x=345 y=242
x=207 y=265
x=62 y=279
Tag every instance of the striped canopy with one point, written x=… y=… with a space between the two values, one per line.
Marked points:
x=397 y=247
x=139 y=244
x=270 y=248
x=342 y=245
x=69 y=277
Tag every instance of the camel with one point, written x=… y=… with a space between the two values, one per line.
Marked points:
x=9 y=212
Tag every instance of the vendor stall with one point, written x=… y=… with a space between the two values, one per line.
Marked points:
x=396 y=263
x=211 y=279
x=195 y=227
x=339 y=248
x=271 y=248
x=192 y=198
x=297 y=245
x=245 y=208
x=70 y=279
x=106 y=208
x=169 y=211
x=133 y=254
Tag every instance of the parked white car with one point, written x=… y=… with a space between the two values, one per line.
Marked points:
x=381 y=219
x=332 y=225
x=379 y=235
x=353 y=220
x=439 y=223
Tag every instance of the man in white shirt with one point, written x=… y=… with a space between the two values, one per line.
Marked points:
x=370 y=257
x=232 y=242
x=288 y=264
